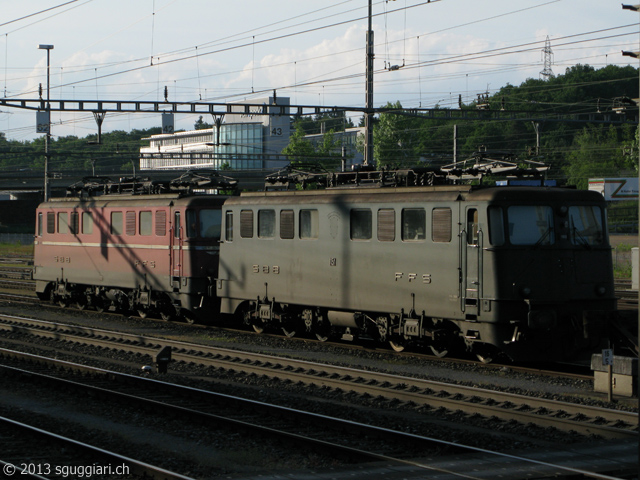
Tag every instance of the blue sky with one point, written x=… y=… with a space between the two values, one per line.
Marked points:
x=313 y=52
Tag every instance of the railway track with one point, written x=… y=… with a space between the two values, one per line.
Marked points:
x=354 y=440
x=393 y=389
x=22 y=450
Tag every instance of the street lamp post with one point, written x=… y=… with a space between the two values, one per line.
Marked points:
x=47 y=137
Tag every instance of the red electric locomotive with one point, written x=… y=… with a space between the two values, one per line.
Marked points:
x=146 y=247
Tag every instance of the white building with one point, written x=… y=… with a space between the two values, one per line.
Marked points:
x=246 y=140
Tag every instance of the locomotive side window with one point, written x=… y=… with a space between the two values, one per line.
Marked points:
x=145 y=223
x=472 y=226
x=116 y=223
x=266 y=223
x=246 y=223
x=496 y=225
x=586 y=225
x=130 y=223
x=228 y=226
x=361 y=224
x=40 y=224
x=87 y=223
x=414 y=224
x=63 y=223
x=530 y=225
x=161 y=223
x=441 y=225
x=210 y=223
x=51 y=222
x=386 y=225
x=287 y=227
x=309 y=224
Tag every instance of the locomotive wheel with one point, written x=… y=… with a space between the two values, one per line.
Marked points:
x=288 y=332
x=486 y=353
x=484 y=357
x=81 y=303
x=439 y=352
x=396 y=346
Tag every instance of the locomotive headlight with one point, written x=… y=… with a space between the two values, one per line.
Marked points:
x=600 y=290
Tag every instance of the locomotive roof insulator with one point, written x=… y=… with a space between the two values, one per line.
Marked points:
x=480 y=164
x=188 y=183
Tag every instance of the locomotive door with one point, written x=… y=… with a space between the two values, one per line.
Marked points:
x=176 y=251
x=471 y=238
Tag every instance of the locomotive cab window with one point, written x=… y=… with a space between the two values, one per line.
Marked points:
x=530 y=225
x=192 y=224
x=309 y=224
x=39 y=224
x=266 y=223
x=585 y=223
x=496 y=225
x=414 y=223
x=210 y=223
x=361 y=224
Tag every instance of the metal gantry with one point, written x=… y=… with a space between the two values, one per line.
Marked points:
x=225 y=109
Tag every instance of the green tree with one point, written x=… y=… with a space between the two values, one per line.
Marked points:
x=599 y=152
x=395 y=139
x=300 y=149
x=201 y=124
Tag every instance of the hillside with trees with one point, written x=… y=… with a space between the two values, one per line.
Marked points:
x=575 y=150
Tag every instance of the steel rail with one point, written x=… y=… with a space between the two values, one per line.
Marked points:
x=135 y=466
x=584 y=419
x=524 y=461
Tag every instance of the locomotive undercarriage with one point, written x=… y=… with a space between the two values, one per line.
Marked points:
x=144 y=301
x=541 y=334
x=399 y=331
